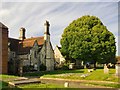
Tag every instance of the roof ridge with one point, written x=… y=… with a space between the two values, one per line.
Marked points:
x=3 y=26
x=34 y=38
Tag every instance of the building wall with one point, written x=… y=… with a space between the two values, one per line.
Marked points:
x=4 y=53
x=58 y=56
x=34 y=54
x=49 y=57
x=42 y=55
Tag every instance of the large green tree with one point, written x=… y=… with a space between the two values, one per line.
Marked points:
x=88 y=39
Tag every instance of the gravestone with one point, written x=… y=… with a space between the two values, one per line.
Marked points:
x=66 y=84
x=90 y=70
x=71 y=66
x=35 y=67
x=117 y=67
x=106 y=70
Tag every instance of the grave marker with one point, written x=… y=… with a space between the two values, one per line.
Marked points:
x=106 y=70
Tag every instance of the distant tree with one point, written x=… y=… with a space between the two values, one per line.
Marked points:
x=88 y=39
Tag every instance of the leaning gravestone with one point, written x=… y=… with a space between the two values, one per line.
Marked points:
x=117 y=67
x=106 y=70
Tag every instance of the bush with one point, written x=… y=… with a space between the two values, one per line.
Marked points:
x=42 y=67
x=27 y=68
x=65 y=67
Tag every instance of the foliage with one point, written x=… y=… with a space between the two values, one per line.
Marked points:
x=28 y=68
x=65 y=67
x=88 y=39
x=42 y=67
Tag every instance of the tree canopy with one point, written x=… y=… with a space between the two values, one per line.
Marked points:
x=88 y=39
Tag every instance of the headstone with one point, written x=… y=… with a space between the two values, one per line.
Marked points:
x=106 y=70
x=90 y=70
x=66 y=84
x=71 y=66
x=35 y=66
x=117 y=67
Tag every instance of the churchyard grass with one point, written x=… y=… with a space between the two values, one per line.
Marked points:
x=6 y=77
x=97 y=74
x=103 y=84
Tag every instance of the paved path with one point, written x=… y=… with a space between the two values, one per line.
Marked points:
x=72 y=83
x=107 y=82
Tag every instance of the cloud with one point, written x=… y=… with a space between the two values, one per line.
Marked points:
x=32 y=15
x=60 y=1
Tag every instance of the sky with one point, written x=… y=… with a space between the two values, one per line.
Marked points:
x=31 y=14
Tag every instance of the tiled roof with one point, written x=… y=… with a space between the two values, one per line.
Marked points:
x=27 y=44
x=30 y=41
x=23 y=47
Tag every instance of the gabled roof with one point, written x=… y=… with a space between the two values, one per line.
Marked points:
x=3 y=26
x=23 y=47
x=27 y=44
x=58 y=47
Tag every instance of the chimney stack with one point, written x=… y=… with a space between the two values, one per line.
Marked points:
x=46 y=33
x=22 y=33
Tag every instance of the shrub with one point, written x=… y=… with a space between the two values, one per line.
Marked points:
x=42 y=67
x=65 y=67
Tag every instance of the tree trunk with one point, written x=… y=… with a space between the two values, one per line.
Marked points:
x=94 y=64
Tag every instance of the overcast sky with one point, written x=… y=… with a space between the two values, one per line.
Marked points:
x=32 y=15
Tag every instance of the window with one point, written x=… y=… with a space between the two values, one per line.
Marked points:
x=35 y=54
x=13 y=54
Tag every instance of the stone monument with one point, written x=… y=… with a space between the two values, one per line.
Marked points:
x=106 y=70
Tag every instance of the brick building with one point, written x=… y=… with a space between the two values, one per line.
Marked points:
x=3 y=49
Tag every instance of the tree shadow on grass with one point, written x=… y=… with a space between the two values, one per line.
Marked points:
x=52 y=72
x=5 y=86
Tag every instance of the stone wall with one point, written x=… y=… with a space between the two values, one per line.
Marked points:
x=58 y=56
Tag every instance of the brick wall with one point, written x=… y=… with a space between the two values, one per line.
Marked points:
x=3 y=49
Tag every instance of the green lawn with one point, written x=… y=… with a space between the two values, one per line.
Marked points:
x=98 y=74
x=104 y=84
x=6 y=79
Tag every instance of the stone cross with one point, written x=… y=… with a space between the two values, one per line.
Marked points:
x=106 y=70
